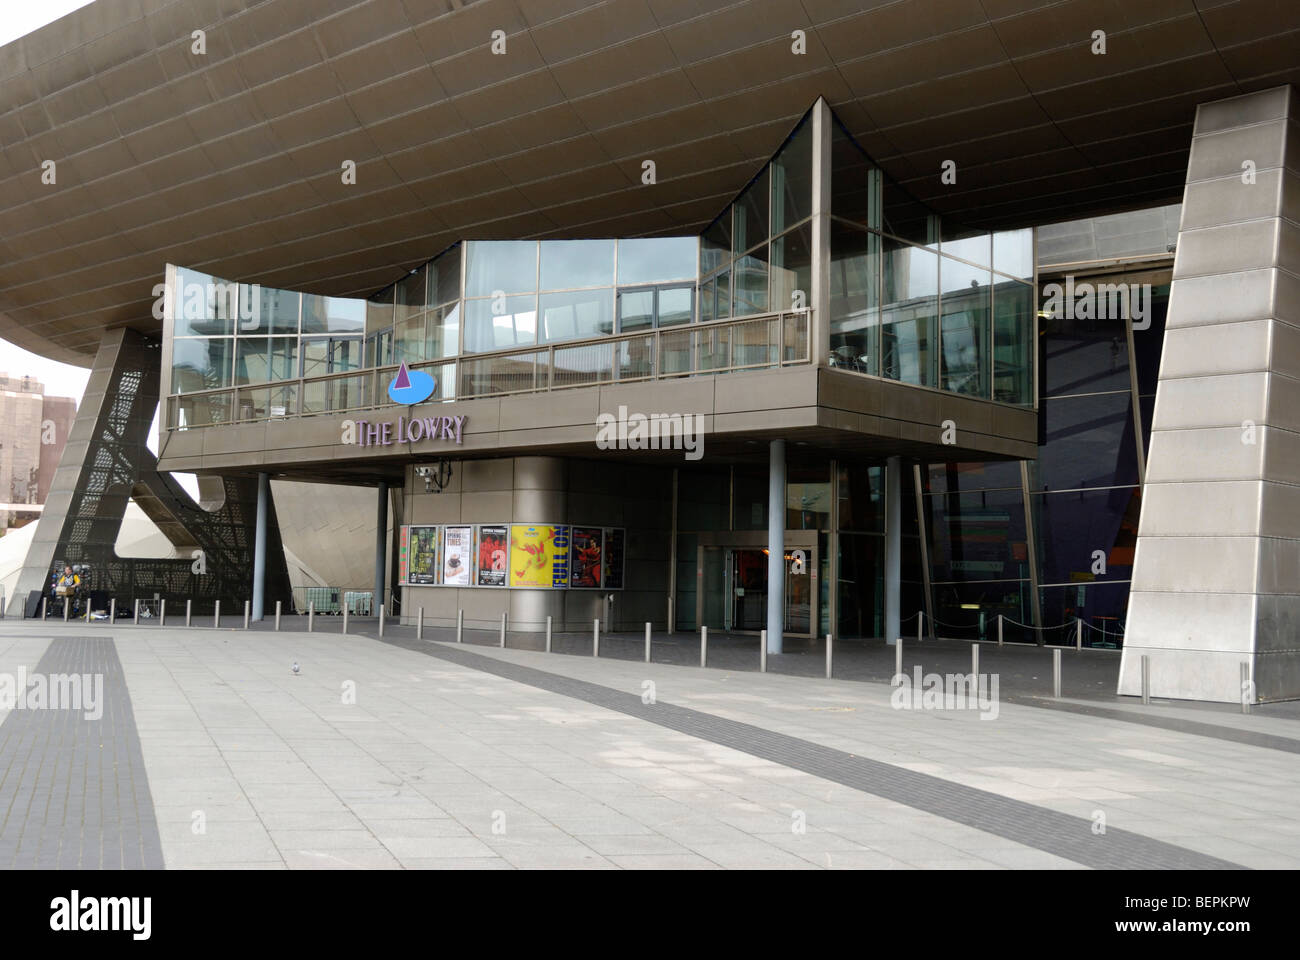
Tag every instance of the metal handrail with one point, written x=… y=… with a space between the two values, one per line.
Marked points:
x=695 y=333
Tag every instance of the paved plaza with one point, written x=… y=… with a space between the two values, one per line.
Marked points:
x=211 y=751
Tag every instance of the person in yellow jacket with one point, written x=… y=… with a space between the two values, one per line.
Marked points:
x=66 y=586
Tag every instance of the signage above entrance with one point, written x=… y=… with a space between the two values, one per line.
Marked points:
x=410 y=388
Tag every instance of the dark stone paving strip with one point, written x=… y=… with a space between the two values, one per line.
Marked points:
x=1047 y=830
x=1216 y=731
x=74 y=794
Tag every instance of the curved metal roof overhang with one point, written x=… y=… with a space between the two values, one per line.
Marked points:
x=230 y=161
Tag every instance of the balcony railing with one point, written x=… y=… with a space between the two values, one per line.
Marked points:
x=720 y=346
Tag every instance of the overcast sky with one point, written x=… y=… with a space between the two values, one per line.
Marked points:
x=60 y=379
x=21 y=17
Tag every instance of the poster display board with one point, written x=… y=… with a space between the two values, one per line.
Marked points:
x=539 y=555
x=403 y=541
x=492 y=550
x=457 y=555
x=420 y=549
x=586 y=564
x=614 y=546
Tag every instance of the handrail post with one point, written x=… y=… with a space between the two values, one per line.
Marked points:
x=1056 y=672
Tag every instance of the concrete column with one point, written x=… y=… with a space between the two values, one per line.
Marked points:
x=381 y=545
x=1216 y=576
x=893 y=546
x=775 y=546
x=259 y=545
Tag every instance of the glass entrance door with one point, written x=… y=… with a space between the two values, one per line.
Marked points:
x=733 y=588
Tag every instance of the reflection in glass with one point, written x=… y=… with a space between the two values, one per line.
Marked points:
x=910 y=314
x=446 y=276
x=577 y=263
x=792 y=269
x=1013 y=343
x=443 y=331
x=500 y=266
x=657 y=259
x=266 y=310
x=965 y=327
x=332 y=314
x=577 y=314
x=201 y=364
x=751 y=215
x=636 y=310
x=855 y=298
x=792 y=180
x=513 y=323
x=203 y=305
x=750 y=277
x=715 y=244
x=1013 y=253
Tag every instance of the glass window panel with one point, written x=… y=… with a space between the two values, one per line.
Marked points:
x=715 y=244
x=751 y=215
x=1149 y=343
x=577 y=263
x=978 y=536
x=861 y=587
x=203 y=305
x=500 y=266
x=333 y=314
x=379 y=311
x=266 y=310
x=792 y=269
x=1087 y=442
x=253 y=360
x=975 y=247
x=412 y=295
x=862 y=498
x=906 y=218
x=969 y=610
x=201 y=364
x=498 y=323
x=1013 y=253
x=750 y=274
x=965 y=327
x=1073 y=527
x=792 y=180
x=446 y=276
x=708 y=298
x=675 y=305
x=657 y=259
x=325 y=355
x=855 y=298
x=284 y=358
x=203 y=410
x=1013 y=342
x=409 y=340
x=1103 y=607
x=379 y=349
x=636 y=310
x=444 y=331
x=577 y=314
x=855 y=181
x=1080 y=355
x=966 y=477
x=910 y=314
x=807 y=506
x=722 y=303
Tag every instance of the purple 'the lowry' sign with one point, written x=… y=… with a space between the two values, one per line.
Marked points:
x=382 y=433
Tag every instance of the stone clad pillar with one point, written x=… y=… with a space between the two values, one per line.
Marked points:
x=1216 y=578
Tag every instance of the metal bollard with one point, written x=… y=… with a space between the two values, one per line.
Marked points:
x=381 y=621
x=460 y=626
x=548 y=633
x=503 y=631
x=595 y=638
x=1245 y=687
x=704 y=646
x=277 y=615
x=216 y=615
x=1078 y=633
x=647 y=641
x=419 y=624
x=248 y=609
x=136 y=618
x=187 y=610
x=345 y=619
x=2 y=606
x=112 y=610
x=920 y=625
x=668 y=623
x=762 y=651
x=828 y=656
x=311 y=616
x=1056 y=673
x=1146 y=679
x=162 y=612
x=999 y=629
x=975 y=660
x=898 y=657
x=44 y=614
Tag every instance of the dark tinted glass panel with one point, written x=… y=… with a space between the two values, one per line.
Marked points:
x=1102 y=607
x=715 y=244
x=1086 y=442
x=862 y=497
x=1013 y=342
x=1148 y=342
x=861 y=590
x=978 y=536
x=1082 y=355
x=906 y=218
x=751 y=215
x=1086 y=535
x=446 y=276
x=792 y=180
x=855 y=181
x=952 y=477
x=969 y=611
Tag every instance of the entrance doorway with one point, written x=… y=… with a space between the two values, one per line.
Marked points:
x=733 y=583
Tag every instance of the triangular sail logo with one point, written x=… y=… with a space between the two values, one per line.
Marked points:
x=410 y=386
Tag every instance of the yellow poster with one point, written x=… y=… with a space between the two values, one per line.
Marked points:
x=539 y=556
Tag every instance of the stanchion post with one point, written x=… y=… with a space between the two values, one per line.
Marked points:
x=1056 y=672
x=44 y=601
x=460 y=626
x=112 y=610
x=829 y=643
x=419 y=623
x=647 y=641
x=975 y=660
x=216 y=616
x=1078 y=633
x=2 y=612
x=345 y=617
x=277 y=615
x=595 y=638
x=668 y=622
x=999 y=629
x=502 y=640
x=162 y=612
x=1146 y=679
x=1245 y=686
x=135 y=617
x=188 y=605
x=548 y=633
x=311 y=615
x=704 y=646
x=898 y=657
x=920 y=625
x=762 y=651
x=66 y=607
x=381 y=621
x=248 y=613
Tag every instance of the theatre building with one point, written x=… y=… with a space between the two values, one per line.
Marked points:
x=958 y=329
